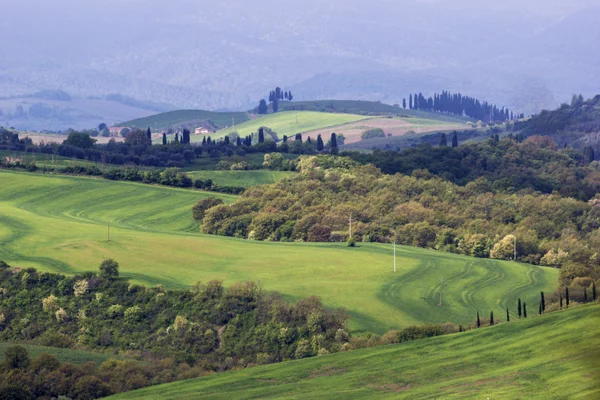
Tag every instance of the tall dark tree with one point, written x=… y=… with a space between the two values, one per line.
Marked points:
x=309 y=140
x=320 y=144
x=299 y=137
x=226 y=140
x=404 y=103
x=285 y=138
x=164 y=139
x=507 y=315
x=524 y=310
x=290 y=96
x=588 y=154
x=443 y=139
x=491 y=318
x=560 y=299
x=278 y=94
x=454 y=139
x=334 y=145
x=204 y=140
x=261 y=135
x=177 y=137
x=593 y=291
x=567 y=296
x=275 y=104
x=542 y=301
x=519 y=311
x=478 y=320
x=149 y=134
x=410 y=102
x=540 y=310
x=238 y=141
x=584 y=294
x=262 y=107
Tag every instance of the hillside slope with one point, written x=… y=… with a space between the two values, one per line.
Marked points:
x=59 y=224
x=549 y=357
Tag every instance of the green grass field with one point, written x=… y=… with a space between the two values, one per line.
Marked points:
x=174 y=118
x=554 y=356
x=60 y=224
x=63 y=355
x=242 y=178
x=288 y=123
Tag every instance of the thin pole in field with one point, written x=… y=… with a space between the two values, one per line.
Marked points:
x=394 y=256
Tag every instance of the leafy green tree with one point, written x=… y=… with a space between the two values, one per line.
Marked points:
x=491 y=318
x=519 y=312
x=137 y=138
x=102 y=127
x=80 y=139
x=16 y=357
x=443 y=139
x=109 y=269
x=200 y=208
x=262 y=107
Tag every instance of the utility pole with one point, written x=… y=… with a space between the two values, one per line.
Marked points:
x=441 y=289
x=350 y=220
x=394 y=256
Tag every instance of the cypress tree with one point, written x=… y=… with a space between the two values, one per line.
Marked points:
x=491 y=318
x=176 y=137
x=299 y=137
x=478 y=320
x=333 y=144
x=507 y=315
x=567 y=296
x=226 y=139
x=540 y=310
x=410 y=102
x=519 y=308
x=524 y=310
x=149 y=134
x=454 y=139
x=320 y=145
x=290 y=96
x=560 y=300
x=308 y=140
x=584 y=294
x=443 y=139
x=204 y=140
x=285 y=138
x=263 y=107
x=460 y=328
x=164 y=141
x=543 y=302
x=594 y=291
x=238 y=141
x=404 y=103
x=261 y=135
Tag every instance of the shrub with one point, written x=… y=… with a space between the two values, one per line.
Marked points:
x=50 y=303
x=80 y=287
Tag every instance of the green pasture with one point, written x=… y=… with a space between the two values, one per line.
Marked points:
x=242 y=178
x=288 y=123
x=60 y=224
x=62 y=355
x=554 y=356
x=174 y=118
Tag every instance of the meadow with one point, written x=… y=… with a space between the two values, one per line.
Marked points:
x=242 y=178
x=60 y=224
x=553 y=356
x=172 y=119
x=288 y=123
x=62 y=355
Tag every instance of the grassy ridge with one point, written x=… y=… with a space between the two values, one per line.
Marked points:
x=174 y=118
x=242 y=178
x=60 y=224
x=549 y=357
x=289 y=123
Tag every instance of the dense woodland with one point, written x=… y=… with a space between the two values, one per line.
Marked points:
x=476 y=219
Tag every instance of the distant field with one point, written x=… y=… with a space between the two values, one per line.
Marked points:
x=172 y=119
x=63 y=355
x=241 y=178
x=59 y=224
x=394 y=126
x=554 y=356
x=289 y=123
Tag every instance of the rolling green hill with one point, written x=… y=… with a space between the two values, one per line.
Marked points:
x=554 y=356
x=289 y=123
x=60 y=224
x=172 y=119
x=62 y=355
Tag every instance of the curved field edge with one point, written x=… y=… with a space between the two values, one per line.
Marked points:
x=550 y=356
x=59 y=224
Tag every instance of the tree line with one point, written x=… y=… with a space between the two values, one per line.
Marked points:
x=275 y=96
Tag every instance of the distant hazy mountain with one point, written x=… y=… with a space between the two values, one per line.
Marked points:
x=227 y=55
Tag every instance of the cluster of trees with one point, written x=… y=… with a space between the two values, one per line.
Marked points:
x=457 y=104
x=275 y=96
x=509 y=165
x=419 y=210
x=208 y=326
x=23 y=377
